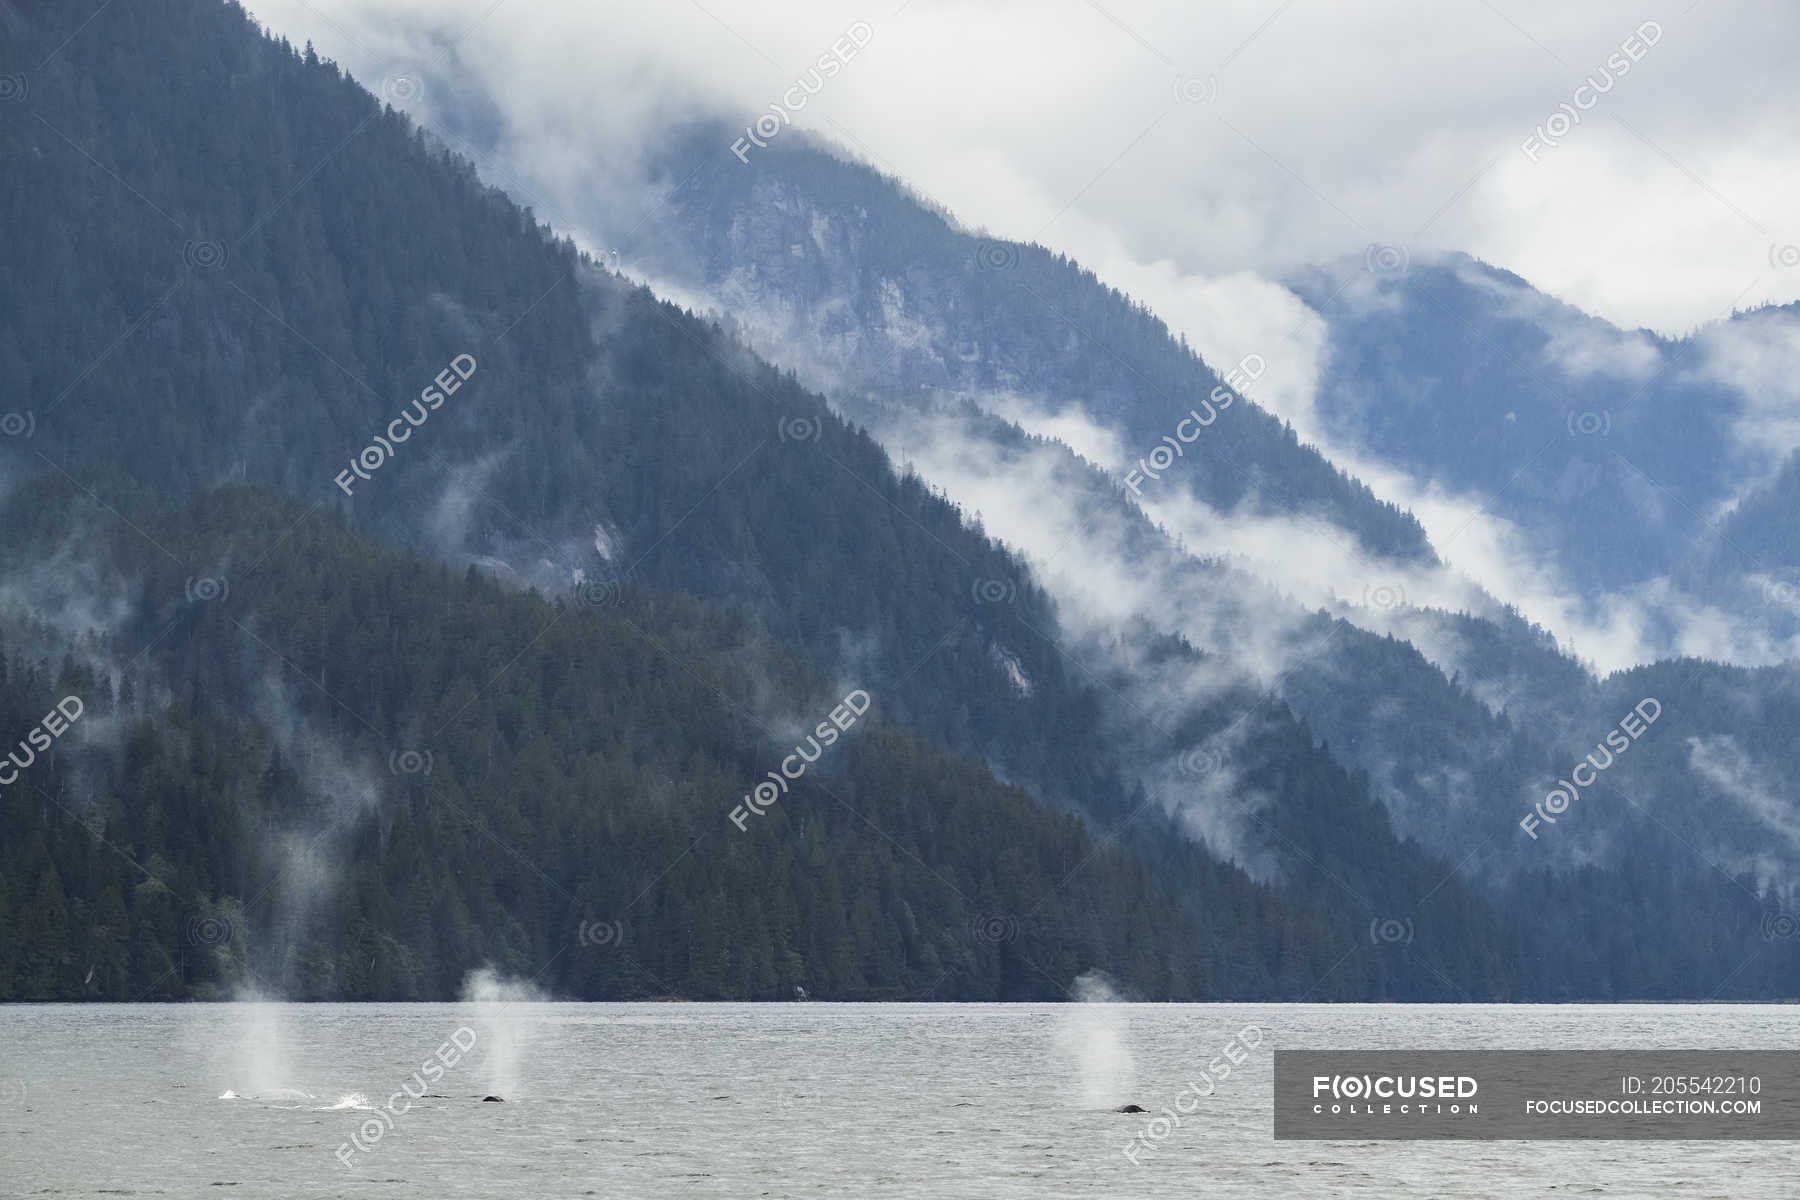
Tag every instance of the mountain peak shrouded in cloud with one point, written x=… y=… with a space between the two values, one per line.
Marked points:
x=1018 y=382
x=1592 y=464
x=1200 y=200
x=1132 y=135
x=1197 y=166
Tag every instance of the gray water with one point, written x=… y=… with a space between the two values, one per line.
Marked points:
x=730 y=1100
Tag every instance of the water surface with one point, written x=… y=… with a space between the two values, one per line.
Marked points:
x=730 y=1100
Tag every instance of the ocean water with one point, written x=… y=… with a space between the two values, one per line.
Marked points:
x=740 y=1100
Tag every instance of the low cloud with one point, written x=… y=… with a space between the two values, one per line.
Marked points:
x=1131 y=134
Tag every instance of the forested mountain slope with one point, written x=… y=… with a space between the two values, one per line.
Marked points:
x=343 y=771
x=831 y=262
x=1617 y=454
x=234 y=265
x=1464 y=721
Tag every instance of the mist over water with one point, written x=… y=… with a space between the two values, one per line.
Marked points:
x=255 y=1060
x=508 y=1023
x=1093 y=1039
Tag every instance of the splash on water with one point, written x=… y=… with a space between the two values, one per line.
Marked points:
x=252 y=1055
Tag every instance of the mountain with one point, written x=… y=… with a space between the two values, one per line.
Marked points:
x=1463 y=720
x=849 y=274
x=332 y=464
x=1631 y=465
x=443 y=598
x=335 y=773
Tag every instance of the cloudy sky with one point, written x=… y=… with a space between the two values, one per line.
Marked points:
x=1188 y=142
x=1628 y=159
